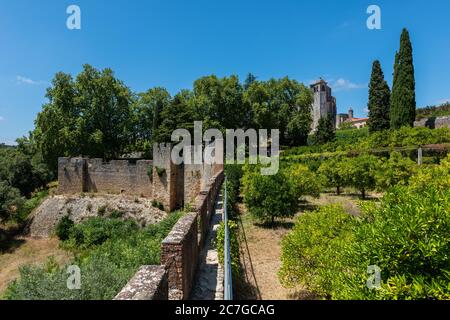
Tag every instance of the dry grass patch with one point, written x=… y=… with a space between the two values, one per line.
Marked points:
x=21 y=251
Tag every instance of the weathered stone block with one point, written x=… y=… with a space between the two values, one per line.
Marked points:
x=149 y=283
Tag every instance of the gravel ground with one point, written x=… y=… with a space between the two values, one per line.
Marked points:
x=78 y=208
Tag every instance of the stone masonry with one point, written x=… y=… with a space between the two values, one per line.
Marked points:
x=160 y=179
x=434 y=122
x=180 y=251
x=149 y=283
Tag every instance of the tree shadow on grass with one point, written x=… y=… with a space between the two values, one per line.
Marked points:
x=303 y=295
x=358 y=196
x=246 y=285
x=287 y=225
x=306 y=206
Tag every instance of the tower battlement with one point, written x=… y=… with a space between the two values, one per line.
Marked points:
x=324 y=103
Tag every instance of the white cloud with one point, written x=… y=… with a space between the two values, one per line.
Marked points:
x=25 y=80
x=346 y=85
x=444 y=101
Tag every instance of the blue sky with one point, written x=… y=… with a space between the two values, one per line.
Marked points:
x=171 y=43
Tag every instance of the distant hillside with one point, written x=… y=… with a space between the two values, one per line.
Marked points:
x=433 y=111
x=4 y=146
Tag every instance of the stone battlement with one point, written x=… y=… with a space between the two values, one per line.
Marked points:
x=160 y=179
x=180 y=251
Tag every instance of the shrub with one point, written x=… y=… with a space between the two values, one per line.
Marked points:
x=311 y=252
x=405 y=235
x=96 y=230
x=29 y=205
x=395 y=171
x=11 y=201
x=234 y=173
x=269 y=197
x=160 y=171
x=335 y=173
x=304 y=181
x=64 y=228
x=105 y=268
x=405 y=136
x=438 y=176
x=234 y=245
x=116 y=214
x=157 y=204
x=362 y=170
x=102 y=210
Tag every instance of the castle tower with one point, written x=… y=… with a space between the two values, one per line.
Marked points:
x=324 y=103
x=350 y=114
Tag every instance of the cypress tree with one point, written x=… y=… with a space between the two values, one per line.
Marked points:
x=403 y=100
x=249 y=80
x=325 y=131
x=379 y=100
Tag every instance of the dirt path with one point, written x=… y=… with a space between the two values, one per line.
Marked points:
x=260 y=256
x=261 y=252
x=22 y=251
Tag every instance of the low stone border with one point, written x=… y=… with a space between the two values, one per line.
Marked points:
x=149 y=283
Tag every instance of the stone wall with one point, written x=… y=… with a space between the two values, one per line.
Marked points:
x=72 y=175
x=172 y=185
x=433 y=122
x=181 y=248
x=165 y=179
x=120 y=176
x=179 y=253
x=149 y=283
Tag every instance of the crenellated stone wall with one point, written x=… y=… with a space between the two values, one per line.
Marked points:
x=173 y=185
x=119 y=176
x=180 y=250
x=72 y=175
x=179 y=253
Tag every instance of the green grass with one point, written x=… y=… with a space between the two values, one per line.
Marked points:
x=108 y=252
x=31 y=204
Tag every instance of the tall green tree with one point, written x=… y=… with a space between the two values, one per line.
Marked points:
x=178 y=114
x=403 y=100
x=56 y=129
x=325 y=131
x=156 y=100
x=105 y=113
x=249 y=80
x=10 y=200
x=282 y=104
x=379 y=100
x=218 y=103
x=89 y=116
x=147 y=118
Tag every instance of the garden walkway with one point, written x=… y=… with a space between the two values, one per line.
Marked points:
x=208 y=283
